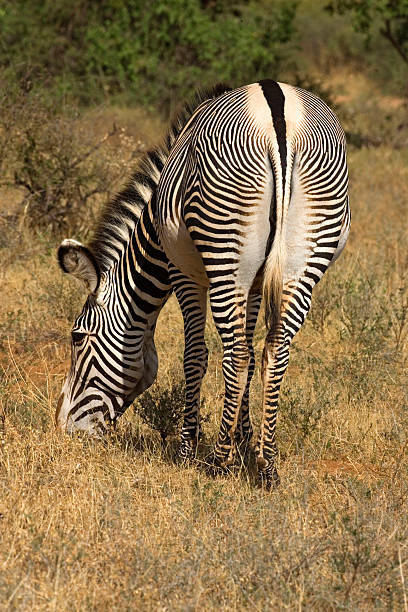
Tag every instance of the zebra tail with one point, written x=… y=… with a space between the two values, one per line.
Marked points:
x=275 y=261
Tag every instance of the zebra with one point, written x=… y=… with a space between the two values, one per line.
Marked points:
x=248 y=202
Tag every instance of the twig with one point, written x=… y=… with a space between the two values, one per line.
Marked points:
x=97 y=146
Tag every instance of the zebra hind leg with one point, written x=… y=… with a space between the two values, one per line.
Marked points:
x=275 y=359
x=192 y=299
x=244 y=431
x=231 y=326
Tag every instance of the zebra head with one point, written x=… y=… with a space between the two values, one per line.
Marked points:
x=112 y=361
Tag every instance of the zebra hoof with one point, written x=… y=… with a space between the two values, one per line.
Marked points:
x=268 y=474
x=186 y=452
x=216 y=466
x=214 y=469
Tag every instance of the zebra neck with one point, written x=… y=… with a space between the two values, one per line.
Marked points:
x=140 y=276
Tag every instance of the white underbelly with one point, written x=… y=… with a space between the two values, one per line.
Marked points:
x=181 y=251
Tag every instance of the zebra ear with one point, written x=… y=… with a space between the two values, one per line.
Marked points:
x=76 y=259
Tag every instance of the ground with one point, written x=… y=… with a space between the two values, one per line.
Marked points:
x=120 y=526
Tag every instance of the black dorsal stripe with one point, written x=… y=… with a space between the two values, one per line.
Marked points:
x=276 y=102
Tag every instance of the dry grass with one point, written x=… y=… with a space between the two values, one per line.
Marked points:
x=119 y=526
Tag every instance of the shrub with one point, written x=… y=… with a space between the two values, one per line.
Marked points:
x=162 y=407
x=302 y=409
x=60 y=166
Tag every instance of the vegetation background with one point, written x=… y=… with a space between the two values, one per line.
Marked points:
x=86 y=88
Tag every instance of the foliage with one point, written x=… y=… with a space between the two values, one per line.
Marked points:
x=318 y=87
x=391 y=15
x=158 y=51
x=302 y=409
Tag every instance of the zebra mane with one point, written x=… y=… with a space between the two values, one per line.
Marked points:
x=121 y=214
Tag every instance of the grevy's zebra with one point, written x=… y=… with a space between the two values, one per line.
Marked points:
x=252 y=199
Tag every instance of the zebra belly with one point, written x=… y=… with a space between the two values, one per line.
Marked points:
x=182 y=253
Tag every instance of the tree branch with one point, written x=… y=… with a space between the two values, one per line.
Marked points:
x=94 y=148
x=387 y=33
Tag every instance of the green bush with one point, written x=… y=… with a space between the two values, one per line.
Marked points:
x=156 y=52
x=171 y=47
x=301 y=409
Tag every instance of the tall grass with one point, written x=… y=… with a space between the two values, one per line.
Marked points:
x=120 y=526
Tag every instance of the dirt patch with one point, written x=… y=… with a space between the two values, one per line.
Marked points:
x=342 y=467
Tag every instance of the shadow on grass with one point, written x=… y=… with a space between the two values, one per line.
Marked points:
x=149 y=443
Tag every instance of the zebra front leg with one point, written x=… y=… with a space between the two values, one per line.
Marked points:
x=244 y=432
x=192 y=299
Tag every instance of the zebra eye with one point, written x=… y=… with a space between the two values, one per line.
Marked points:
x=77 y=337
